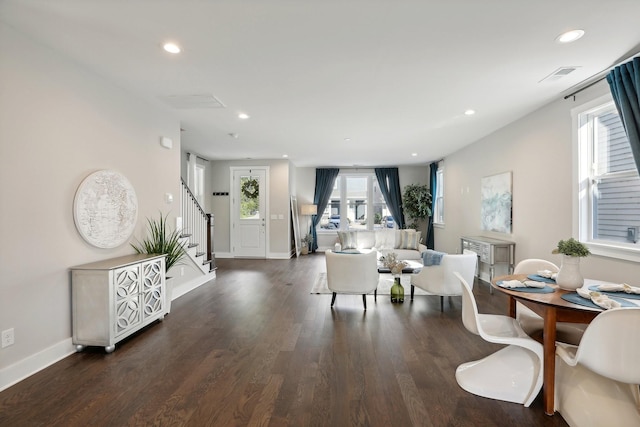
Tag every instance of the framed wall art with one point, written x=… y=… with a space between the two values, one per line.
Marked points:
x=105 y=209
x=496 y=206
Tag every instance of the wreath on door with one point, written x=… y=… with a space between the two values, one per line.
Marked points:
x=250 y=188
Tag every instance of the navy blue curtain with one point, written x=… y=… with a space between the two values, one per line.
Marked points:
x=624 y=81
x=324 y=186
x=433 y=185
x=389 y=183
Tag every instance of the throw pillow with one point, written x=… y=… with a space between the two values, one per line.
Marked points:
x=410 y=239
x=348 y=239
x=398 y=240
x=385 y=239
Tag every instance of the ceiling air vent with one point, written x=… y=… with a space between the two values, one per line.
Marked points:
x=558 y=74
x=183 y=102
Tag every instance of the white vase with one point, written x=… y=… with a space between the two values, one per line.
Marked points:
x=569 y=277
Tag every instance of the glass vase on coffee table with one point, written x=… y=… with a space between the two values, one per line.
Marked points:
x=395 y=266
x=397 y=290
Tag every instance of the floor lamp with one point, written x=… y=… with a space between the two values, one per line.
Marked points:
x=308 y=210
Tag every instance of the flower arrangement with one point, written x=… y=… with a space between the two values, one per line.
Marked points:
x=391 y=262
x=571 y=247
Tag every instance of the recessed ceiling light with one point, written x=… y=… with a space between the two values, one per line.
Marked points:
x=570 y=36
x=285 y=156
x=233 y=135
x=171 y=47
x=469 y=112
x=243 y=116
x=414 y=154
x=347 y=139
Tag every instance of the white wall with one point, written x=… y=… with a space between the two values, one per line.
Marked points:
x=59 y=123
x=538 y=150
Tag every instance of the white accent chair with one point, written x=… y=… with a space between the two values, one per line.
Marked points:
x=440 y=279
x=513 y=373
x=597 y=381
x=533 y=324
x=355 y=273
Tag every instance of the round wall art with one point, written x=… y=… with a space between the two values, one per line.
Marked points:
x=105 y=209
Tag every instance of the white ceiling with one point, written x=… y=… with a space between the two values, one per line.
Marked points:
x=393 y=76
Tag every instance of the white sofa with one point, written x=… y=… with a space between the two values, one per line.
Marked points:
x=405 y=243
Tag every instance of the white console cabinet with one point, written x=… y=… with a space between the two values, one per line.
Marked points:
x=490 y=252
x=114 y=298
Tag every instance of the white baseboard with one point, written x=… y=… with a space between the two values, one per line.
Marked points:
x=17 y=372
x=279 y=255
x=223 y=255
x=191 y=285
x=272 y=255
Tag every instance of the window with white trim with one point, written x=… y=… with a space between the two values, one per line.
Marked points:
x=356 y=203
x=438 y=198
x=608 y=183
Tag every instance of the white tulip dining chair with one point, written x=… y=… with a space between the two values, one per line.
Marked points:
x=513 y=373
x=597 y=381
x=533 y=324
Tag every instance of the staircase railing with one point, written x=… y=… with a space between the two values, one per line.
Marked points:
x=196 y=223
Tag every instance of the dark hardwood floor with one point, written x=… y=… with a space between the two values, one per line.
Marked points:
x=254 y=347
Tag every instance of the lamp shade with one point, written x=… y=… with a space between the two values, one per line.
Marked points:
x=308 y=210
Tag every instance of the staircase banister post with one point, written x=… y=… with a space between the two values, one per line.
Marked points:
x=209 y=248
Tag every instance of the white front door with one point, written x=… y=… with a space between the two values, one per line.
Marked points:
x=248 y=212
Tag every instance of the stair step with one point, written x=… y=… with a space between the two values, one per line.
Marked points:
x=184 y=236
x=199 y=254
x=192 y=245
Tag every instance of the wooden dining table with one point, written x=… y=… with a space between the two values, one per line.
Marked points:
x=552 y=308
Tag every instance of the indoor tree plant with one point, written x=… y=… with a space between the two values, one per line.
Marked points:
x=162 y=240
x=416 y=202
x=569 y=276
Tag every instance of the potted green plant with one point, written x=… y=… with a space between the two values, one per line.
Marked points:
x=569 y=276
x=306 y=240
x=416 y=202
x=571 y=247
x=162 y=240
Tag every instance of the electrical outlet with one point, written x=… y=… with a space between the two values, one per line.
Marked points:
x=7 y=338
